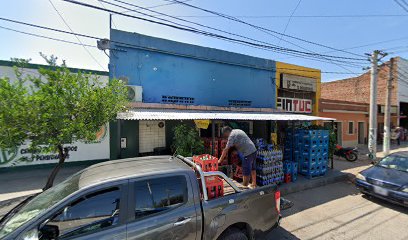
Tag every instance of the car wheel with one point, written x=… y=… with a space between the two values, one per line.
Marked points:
x=233 y=234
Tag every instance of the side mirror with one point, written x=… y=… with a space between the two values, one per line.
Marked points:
x=49 y=232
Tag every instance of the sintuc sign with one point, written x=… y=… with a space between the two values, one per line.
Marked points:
x=297 y=105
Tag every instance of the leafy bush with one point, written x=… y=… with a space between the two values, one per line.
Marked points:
x=186 y=141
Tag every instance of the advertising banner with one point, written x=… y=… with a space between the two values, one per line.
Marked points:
x=78 y=151
x=298 y=83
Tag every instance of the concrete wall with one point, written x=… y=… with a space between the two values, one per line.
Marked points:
x=402 y=80
x=210 y=76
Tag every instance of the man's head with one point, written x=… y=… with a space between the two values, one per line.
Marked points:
x=226 y=131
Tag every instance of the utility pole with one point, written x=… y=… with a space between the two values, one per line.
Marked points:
x=387 y=111
x=372 y=134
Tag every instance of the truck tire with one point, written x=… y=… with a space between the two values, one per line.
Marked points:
x=233 y=234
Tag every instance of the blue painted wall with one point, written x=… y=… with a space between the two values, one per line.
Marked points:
x=210 y=76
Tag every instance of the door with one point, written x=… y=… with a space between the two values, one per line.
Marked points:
x=339 y=132
x=162 y=208
x=94 y=215
x=361 y=136
x=152 y=136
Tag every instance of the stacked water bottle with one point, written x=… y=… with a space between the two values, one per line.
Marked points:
x=269 y=166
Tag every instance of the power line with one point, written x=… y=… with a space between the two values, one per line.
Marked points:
x=45 y=37
x=113 y=23
x=290 y=18
x=267 y=31
x=190 y=29
x=79 y=40
x=402 y=5
x=259 y=28
x=133 y=5
x=131 y=45
x=301 y=16
x=180 y=19
x=166 y=4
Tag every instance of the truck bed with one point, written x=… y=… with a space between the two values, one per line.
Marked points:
x=229 y=190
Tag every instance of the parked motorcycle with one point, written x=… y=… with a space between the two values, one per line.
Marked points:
x=350 y=154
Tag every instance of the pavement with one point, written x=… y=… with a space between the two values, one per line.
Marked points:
x=339 y=211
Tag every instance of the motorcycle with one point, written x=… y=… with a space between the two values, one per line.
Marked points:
x=350 y=154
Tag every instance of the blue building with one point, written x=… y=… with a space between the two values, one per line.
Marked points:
x=192 y=74
x=169 y=72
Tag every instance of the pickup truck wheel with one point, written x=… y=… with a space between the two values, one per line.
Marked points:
x=233 y=234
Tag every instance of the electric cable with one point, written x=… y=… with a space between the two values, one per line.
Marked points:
x=259 y=27
x=79 y=40
x=126 y=44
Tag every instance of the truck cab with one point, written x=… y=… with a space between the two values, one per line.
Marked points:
x=159 y=197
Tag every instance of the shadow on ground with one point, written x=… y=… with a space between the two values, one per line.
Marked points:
x=386 y=204
x=307 y=199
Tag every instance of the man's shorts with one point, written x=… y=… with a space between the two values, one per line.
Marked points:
x=249 y=164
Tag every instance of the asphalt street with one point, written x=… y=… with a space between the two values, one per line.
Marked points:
x=339 y=211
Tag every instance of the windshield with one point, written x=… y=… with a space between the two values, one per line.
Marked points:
x=40 y=204
x=396 y=162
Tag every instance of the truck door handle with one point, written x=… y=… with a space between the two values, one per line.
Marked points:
x=182 y=221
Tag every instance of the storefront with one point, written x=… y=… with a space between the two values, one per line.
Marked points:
x=298 y=88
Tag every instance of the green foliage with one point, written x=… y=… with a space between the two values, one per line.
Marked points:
x=186 y=141
x=56 y=107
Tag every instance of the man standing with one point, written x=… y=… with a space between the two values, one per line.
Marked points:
x=238 y=138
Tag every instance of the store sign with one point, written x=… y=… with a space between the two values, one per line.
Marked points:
x=203 y=124
x=295 y=105
x=298 y=83
x=78 y=151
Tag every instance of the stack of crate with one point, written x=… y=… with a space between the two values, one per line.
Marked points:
x=214 y=184
x=312 y=152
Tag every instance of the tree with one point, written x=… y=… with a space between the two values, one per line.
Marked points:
x=187 y=142
x=56 y=108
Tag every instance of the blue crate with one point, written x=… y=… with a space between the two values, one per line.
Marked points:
x=294 y=177
x=294 y=168
x=312 y=149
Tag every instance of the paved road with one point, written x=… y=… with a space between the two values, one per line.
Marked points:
x=339 y=211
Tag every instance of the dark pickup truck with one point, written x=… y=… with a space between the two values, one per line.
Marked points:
x=160 y=197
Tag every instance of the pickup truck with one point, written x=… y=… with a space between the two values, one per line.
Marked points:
x=158 y=197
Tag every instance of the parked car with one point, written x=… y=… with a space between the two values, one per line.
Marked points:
x=387 y=179
x=158 y=197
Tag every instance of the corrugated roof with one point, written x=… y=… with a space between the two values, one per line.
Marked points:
x=172 y=114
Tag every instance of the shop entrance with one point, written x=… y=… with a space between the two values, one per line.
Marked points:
x=361 y=136
x=152 y=136
x=338 y=129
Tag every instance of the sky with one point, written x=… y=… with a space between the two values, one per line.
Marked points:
x=346 y=24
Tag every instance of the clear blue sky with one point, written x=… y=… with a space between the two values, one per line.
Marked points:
x=341 y=33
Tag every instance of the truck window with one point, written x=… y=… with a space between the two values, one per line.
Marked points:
x=87 y=214
x=160 y=194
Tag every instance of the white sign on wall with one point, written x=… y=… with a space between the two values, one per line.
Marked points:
x=298 y=83
x=295 y=105
x=78 y=151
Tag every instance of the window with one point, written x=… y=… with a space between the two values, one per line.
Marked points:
x=88 y=214
x=351 y=128
x=160 y=194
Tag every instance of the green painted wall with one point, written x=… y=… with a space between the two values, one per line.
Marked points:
x=129 y=130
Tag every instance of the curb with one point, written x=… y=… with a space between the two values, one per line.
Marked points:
x=315 y=183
